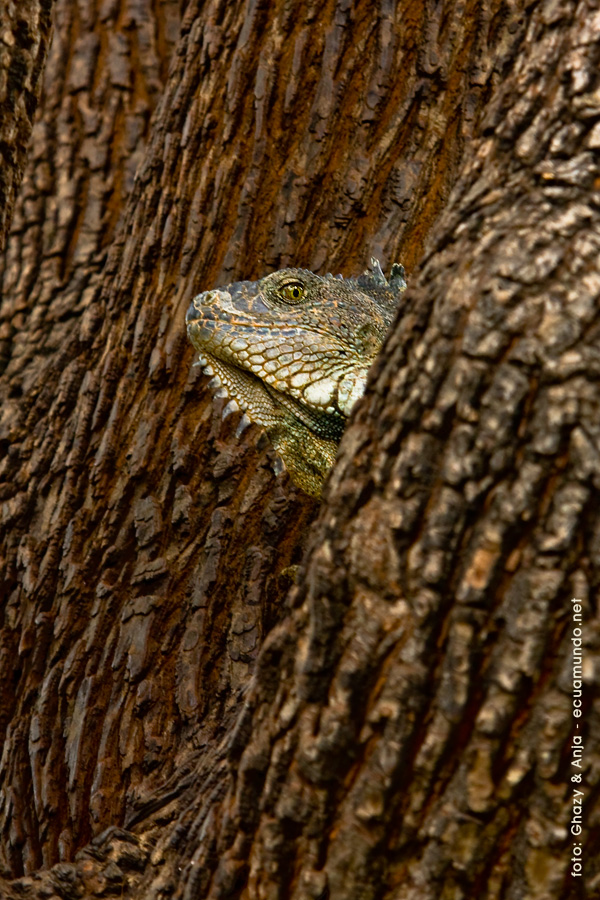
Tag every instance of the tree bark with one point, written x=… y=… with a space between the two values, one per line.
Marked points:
x=398 y=723
x=25 y=30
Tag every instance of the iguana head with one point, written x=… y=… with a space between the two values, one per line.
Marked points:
x=294 y=348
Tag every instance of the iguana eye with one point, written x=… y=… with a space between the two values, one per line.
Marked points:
x=292 y=292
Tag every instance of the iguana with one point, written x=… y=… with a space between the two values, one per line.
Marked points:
x=293 y=350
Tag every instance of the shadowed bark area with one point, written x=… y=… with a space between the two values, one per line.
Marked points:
x=25 y=30
x=399 y=723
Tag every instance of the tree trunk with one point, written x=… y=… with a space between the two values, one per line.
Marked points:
x=25 y=30
x=401 y=722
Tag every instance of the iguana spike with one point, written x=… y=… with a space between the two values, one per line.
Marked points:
x=244 y=423
x=397 y=279
x=377 y=271
x=229 y=408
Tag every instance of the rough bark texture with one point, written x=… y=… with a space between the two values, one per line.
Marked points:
x=25 y=29
x=407 y=729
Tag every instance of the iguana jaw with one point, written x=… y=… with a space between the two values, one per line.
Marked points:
x=310 y=363
x=295 y=431
x=264 y=404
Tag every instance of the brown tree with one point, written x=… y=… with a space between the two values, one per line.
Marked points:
x=199 y=700
x=24 y=36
